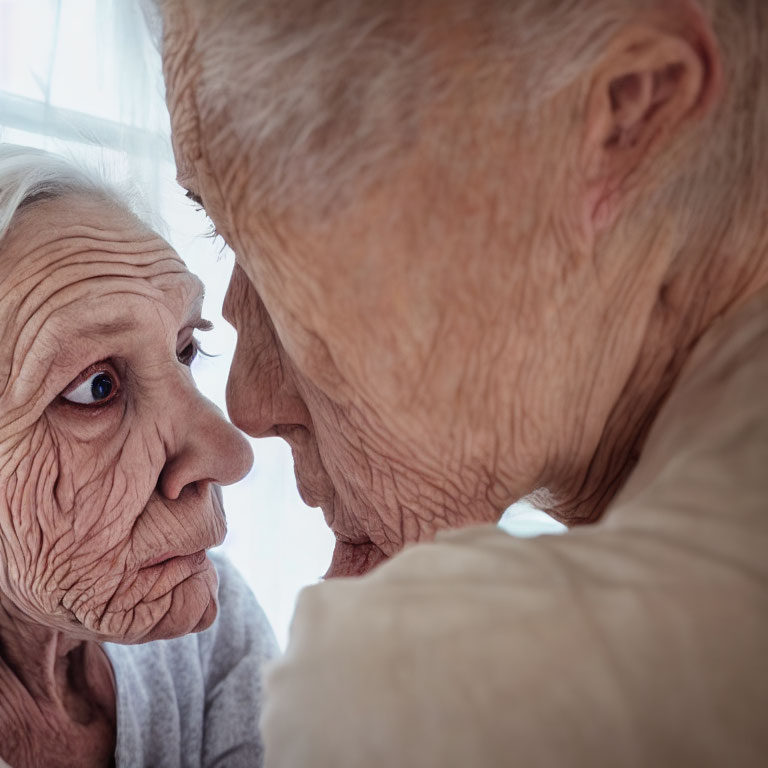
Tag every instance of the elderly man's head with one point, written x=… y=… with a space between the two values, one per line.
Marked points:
x=107 y=451
x=474 y=240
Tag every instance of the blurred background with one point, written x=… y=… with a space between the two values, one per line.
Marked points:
x=82 y=78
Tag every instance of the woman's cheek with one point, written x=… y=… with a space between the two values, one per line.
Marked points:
x=64 y=505
x=30 y=522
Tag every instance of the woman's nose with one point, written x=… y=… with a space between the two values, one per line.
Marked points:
x=207 y=448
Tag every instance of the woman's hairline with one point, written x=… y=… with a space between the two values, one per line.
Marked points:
x=29 y=176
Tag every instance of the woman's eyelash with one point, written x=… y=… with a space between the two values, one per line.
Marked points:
x=201 y=351
x=192 y=350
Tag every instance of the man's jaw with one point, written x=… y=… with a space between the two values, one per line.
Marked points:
x=352 y=556
x=354 y=559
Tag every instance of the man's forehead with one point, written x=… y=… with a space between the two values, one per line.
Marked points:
x=181 y=69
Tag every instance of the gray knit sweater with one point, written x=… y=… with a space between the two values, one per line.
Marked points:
x=193 y=702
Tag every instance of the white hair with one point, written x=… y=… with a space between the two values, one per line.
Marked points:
x=321 y=96
x=30 y=175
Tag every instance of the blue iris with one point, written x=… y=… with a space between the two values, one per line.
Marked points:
x=101 y=388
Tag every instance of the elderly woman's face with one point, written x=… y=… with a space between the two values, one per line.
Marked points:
x=108 y=454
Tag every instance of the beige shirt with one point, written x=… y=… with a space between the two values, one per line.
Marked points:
x=639 y=641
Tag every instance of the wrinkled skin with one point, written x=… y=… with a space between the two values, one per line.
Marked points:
x=419 y=385
x=108 y=504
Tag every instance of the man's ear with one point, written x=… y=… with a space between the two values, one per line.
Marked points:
x=655 y=79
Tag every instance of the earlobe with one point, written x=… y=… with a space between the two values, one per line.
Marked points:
x=652 y=83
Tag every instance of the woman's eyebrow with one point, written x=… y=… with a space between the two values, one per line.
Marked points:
x=203 y=325
x=110 y=327
x=194 y=318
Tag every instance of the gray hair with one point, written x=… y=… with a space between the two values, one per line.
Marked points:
x=30 y=175
x=336 y=89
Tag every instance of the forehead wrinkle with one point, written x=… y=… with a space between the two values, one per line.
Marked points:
x=40 y=295
x=114 y=241
x=39 y=264
x=42 y=242
x=39 y=347
x=124 y=237
x=120 y=285
x=36 y=267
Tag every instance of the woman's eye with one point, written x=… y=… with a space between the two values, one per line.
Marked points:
x=97 y=389
x=189 y=353
x=186 y=356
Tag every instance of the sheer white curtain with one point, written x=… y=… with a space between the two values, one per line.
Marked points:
x=82 y=78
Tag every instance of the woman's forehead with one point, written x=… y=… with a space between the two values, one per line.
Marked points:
x=56 y=243
x=53 y=226
x=70 y=266
x=75 y=285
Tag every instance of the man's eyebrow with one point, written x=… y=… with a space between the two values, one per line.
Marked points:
x=195 y=198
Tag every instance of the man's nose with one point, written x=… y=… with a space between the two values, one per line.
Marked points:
x=261 y=390
x=206 y=448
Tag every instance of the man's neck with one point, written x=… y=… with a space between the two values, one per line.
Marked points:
x=674 y=330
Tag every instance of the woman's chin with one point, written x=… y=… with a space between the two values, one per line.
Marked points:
x=192 y=606
x=208 y=617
